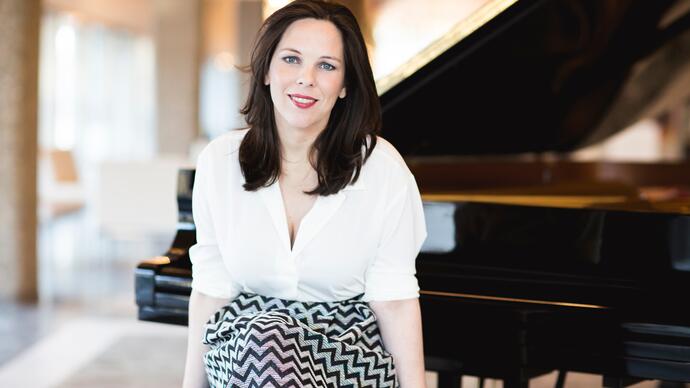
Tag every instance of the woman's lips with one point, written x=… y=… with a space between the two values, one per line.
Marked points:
x=302 y=101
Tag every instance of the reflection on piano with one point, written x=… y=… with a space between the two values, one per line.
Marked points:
x=536 y=266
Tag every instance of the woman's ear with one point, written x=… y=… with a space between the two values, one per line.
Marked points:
x=266 y=81
x=343 y=93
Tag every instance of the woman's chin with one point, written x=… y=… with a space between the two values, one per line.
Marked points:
x=301 y=125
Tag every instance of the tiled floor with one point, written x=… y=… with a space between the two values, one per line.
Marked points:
x=86 y=284
x=84 y=333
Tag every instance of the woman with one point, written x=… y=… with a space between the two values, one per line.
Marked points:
x=307 y=224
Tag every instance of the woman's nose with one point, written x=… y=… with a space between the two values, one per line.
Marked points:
x=306 y=77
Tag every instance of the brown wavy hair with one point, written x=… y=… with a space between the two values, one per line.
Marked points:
x=338 y=148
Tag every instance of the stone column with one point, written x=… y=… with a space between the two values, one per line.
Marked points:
x=19 y=27
x=177 y=34
x=249 y=18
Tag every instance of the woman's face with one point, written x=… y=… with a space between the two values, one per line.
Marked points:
x=306 y=75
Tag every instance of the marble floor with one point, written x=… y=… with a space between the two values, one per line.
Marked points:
x=84 y=332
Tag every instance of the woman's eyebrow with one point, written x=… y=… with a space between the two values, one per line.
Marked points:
x=331 y=58
x=323 y=56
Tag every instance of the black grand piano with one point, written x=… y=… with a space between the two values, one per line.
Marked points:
x=534 y=262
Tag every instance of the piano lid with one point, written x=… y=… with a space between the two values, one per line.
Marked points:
x=538 y=75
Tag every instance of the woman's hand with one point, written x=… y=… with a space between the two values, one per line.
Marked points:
x=400 y=322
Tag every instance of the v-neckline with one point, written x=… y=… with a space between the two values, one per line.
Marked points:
x=311 y=224
x=286 y=225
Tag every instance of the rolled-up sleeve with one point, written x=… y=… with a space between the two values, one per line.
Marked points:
x=209 y=273
x=391 y=275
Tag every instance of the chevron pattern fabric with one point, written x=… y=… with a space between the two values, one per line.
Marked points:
x=259 y=341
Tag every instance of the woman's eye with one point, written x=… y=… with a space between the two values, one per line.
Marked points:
x=327 y=66
x=290 y=59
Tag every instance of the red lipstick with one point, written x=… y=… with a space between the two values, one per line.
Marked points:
x=302 y=101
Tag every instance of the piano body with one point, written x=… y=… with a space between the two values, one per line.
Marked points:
x=533 y=262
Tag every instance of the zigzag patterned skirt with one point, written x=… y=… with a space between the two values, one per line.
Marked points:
x=259 y=341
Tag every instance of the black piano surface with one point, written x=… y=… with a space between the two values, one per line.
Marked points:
x=541 y=265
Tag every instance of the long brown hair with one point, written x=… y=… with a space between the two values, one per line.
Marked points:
x=355 y=118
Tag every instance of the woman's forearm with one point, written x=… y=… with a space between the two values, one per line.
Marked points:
x=400 y=322
x=200 y=309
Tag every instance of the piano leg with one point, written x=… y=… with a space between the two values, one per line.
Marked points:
x=448 y=379
x=518 y=381
x=449 y=371
x=561 y=378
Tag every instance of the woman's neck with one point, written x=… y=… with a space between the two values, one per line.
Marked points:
x=295 y=146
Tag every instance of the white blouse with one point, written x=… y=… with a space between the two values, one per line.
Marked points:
x=363 y=239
